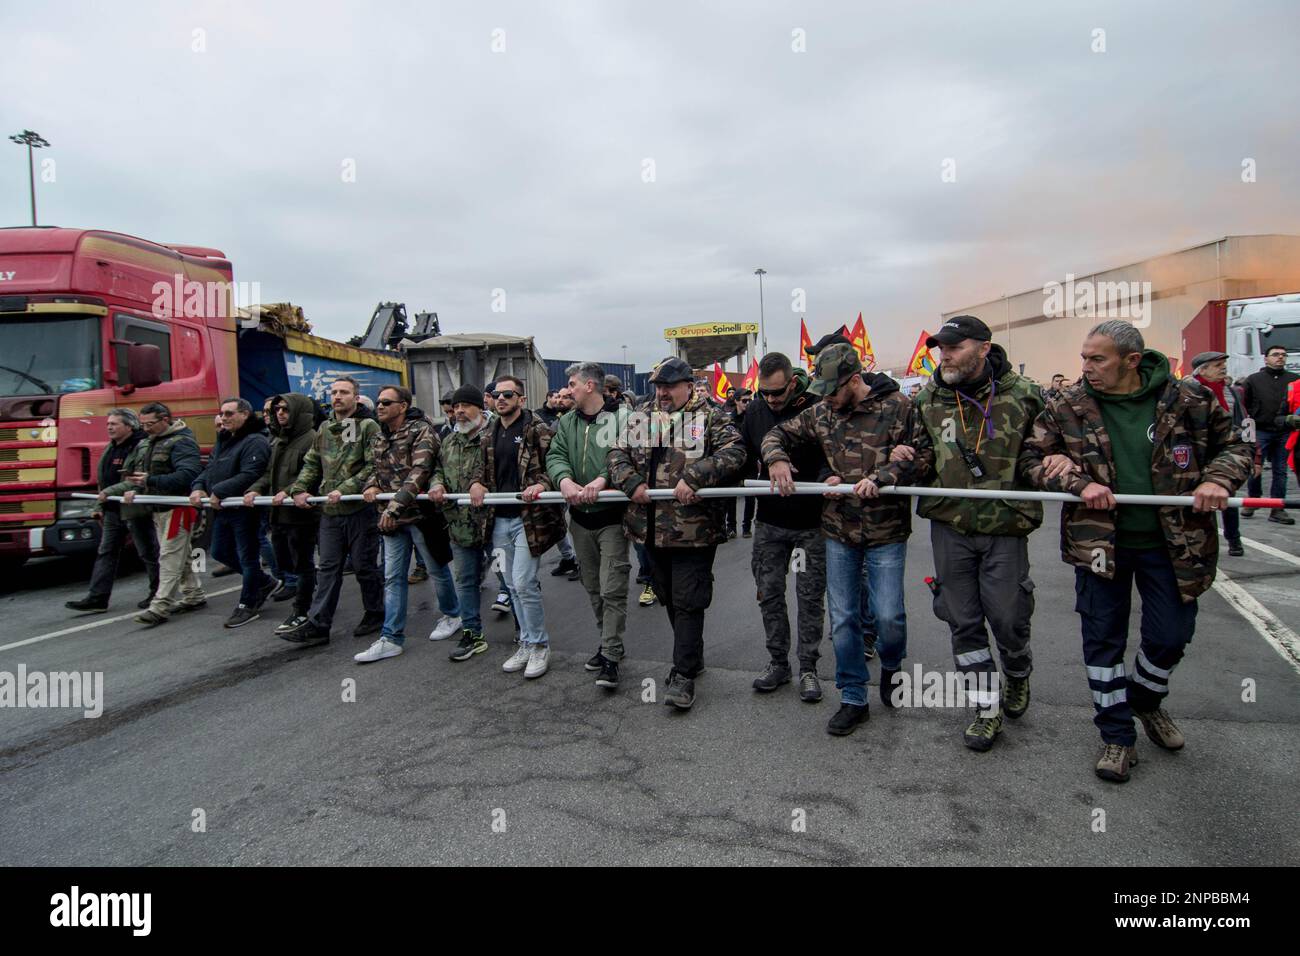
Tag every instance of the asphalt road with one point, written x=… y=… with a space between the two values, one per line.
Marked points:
x=443 y=763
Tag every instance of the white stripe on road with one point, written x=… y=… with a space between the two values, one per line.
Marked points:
x=1283 y=639
x=93 y=624
x=1271 y=551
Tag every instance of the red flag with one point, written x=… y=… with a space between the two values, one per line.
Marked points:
x=862 y=344
x=922 y=361
x=751 y=377
x=804 y=343
x=720 y=383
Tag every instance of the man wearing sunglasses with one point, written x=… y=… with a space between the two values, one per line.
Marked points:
x=784 y=526
x=857 y=426
x=514 y=462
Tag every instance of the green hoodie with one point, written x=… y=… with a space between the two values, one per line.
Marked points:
x=1130 y=422
x=579 y=450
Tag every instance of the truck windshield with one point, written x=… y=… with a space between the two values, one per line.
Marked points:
x=1287 y=336
x=49 y=354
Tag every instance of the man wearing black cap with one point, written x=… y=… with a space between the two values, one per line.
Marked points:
x=1211 y=370
x=1266 y=392
x=856 y=427
x=684 y=443
x=977 y=413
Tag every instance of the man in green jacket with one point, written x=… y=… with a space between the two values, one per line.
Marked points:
x=460 y=465
x=976 y=413
x=339 y=463
x=577 y=465
x=1131 y=428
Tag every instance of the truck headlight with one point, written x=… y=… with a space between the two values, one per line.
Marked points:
x=76 y=508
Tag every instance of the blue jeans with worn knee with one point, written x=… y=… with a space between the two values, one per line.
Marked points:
x=849 y=572
x=521 y=579
x=397 y=560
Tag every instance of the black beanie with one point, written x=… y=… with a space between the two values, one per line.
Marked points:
x=469 y=395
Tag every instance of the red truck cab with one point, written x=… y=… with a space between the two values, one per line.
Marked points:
x=80 y=311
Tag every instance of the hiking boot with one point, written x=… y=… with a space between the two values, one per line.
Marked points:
x=567 y=566
x=1115 y=761
x=149 y=619
x=888 y=681
x=417 y=575
x=516 y=661
x=681 y=691
x=377 y=651
x=1161 y=729
x=981 y=732
x=97 y=605
x=1015 y=696
x=1281 y=517
x=847 y=718
x=242 y=614
x=539 y=660
x=776 y=674
x=370 y=624
x=502 y=603
x=471 y=643
x=810 y=688
x=1235 y=550
x=608 y=677
x=647 y=597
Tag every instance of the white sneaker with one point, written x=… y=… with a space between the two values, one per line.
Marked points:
x=539 y=658
x=378 y=651
x=445 y=628
x=517 y=660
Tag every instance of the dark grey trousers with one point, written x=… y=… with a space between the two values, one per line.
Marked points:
x=357 y=536
x=112 y=539
x=979 y=578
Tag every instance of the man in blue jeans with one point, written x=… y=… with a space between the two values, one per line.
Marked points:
x=404 y=455
x=514 y=462
x=857 y=426
x=238 y=460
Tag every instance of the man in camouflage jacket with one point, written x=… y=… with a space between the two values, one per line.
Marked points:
x=857 y=426
x=976 y=413
x=1131 y=428
x=339 y=463
x=459 y=465
x=678 y=441
x=404 y=452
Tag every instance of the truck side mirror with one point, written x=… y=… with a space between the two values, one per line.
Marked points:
x=143 y=365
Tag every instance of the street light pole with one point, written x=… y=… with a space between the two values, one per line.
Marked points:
x=31 y=140
x=762 y=321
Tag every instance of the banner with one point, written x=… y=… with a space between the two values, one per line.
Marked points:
x=923 y=362
x=862 y=343
x=751 y=377
x=720 y=383
x=804 y=343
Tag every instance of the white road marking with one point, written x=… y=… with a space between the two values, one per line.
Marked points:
x=1281 y=637
x=93 y=624
x=1272 y=551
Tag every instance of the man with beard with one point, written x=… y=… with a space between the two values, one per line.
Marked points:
x=685 y=443
x=977 y=413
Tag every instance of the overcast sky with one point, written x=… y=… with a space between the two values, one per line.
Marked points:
x=525 y=168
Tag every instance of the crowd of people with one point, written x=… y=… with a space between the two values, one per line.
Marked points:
x=1126 y=426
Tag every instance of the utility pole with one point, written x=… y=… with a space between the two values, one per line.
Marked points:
x=762 y=322
x=32 y=141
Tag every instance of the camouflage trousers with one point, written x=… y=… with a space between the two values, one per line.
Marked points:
x=778 y=551
x=978 y=578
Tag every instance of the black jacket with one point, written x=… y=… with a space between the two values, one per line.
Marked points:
x=1266 y=398
x=238 y=460
x=798 y=512
x=110 y=464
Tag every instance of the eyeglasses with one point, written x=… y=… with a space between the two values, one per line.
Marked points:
x=506 y=394
x=385 y=402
